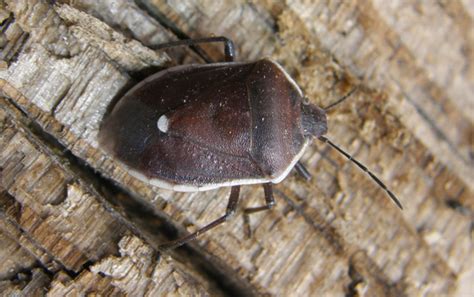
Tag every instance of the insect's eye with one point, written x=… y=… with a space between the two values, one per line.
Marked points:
x=306 y=101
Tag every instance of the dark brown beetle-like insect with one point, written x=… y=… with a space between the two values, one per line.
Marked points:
x=201 y=127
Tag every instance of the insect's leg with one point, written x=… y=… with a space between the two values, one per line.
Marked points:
x=302 y=171
x=362 y=166
x=229 y=49
x=231 y=207
x=269 y=203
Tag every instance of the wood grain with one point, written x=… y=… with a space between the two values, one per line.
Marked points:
x=410 y=120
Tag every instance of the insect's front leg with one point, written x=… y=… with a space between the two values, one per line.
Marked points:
x=269 y=204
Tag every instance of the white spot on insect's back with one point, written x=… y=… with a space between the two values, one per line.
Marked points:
x=163 y=124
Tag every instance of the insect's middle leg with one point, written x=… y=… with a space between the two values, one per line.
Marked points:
x=231 y=207
x=269 y=203
x=229 y=48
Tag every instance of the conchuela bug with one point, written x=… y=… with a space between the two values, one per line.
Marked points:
x=206 y=126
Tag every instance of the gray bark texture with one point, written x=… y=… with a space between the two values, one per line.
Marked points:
x=74 y=222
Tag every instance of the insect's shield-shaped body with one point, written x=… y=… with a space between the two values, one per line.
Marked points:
x=199 y=127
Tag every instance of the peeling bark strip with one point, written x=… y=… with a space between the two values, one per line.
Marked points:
x=411 y=121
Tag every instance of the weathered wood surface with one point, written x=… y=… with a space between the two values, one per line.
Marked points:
x=410 y=120
x=58 y=234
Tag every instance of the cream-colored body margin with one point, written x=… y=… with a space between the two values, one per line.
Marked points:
x=193 y=188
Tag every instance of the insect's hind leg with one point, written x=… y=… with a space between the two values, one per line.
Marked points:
x=229 y=48
x=269 y=204
x=231 y=207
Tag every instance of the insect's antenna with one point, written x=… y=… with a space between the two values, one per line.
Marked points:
x=361 y=166
x=340 y=100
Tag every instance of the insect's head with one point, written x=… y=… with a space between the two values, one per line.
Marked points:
x=313 y=120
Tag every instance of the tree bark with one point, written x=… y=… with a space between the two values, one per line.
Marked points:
x=74 y=221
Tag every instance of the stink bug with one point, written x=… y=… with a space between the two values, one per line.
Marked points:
x=201 y=127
